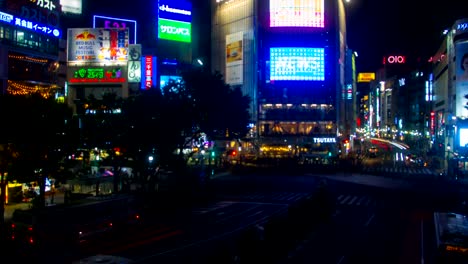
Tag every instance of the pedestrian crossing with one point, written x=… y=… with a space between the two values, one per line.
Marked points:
x=401 y=172
x=293 y=197
x=286 y=197
x=355 y=200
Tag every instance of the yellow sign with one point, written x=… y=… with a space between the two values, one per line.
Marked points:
x=366 y=76
x=456 y=249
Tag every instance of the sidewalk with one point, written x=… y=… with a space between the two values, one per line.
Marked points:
x=11 y=207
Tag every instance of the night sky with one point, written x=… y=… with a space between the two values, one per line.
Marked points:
x=378 y=28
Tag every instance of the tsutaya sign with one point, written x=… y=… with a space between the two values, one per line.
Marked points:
x=324 y=140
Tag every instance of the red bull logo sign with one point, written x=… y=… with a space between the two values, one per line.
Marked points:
x=85 y=36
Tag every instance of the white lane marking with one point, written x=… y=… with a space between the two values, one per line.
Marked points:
x=369 y=220
x=340 y=260
x=360 y=200
x=352 y=200
x=422 y=241
x=344 y=201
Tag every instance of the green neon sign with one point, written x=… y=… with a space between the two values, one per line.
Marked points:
x=175 y=30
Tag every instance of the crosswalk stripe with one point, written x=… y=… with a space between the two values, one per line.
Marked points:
x=344 y=201
x=352 y=201
x=360 y=200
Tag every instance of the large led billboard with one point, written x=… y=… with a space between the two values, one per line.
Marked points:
x=97 y=44
x=463 y=137
x=461 y=70
x=174 y=20
x=297 y=64
x=166 y=79
x=294 y=13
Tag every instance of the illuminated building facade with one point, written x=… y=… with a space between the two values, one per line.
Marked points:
x=289 y=58
x=449 y=119
x=29 y=45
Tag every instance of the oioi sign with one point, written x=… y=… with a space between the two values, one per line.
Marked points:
x=175 y=30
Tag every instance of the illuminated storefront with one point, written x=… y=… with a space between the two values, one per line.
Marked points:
x=29 y=46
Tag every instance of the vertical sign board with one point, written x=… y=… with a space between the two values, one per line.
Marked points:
x=175 y=20
x=149 y=71
x=134 y=63
x=112 y=22
x=234 y=58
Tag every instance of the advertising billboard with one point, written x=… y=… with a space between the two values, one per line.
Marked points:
x=297 y=64
x=461 y=66
x=175 y=30
x=293 y=13
x=112 y=22
x=134 y=63
x=166 y=79
x=174 y=20
x=365 y=77
x=234 y=58
x=72 y=6
x=463 y=137
x=97 y=45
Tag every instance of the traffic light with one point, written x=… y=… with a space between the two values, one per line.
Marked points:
x=329 y=154
x=213 y=154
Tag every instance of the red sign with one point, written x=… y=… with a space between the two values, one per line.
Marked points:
x=394 y=60
x=97 y=80
x=148 y=72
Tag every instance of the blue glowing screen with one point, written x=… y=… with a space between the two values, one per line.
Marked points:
x=297 y=64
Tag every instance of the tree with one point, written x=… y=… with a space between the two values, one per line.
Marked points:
x=39 y=134
x=161 y=121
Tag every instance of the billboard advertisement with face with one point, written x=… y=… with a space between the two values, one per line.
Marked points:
x=461 y=72
x=97 y=45
x=297 y=64
x=293 y=13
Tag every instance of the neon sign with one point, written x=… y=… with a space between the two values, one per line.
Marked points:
x=7 y=18
x=112 y=22
x=175 y=30
x=97 y=75
x=148 y=72
x=395 y=60
x=37 y=27
x=175 y=10
x=46 y=4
